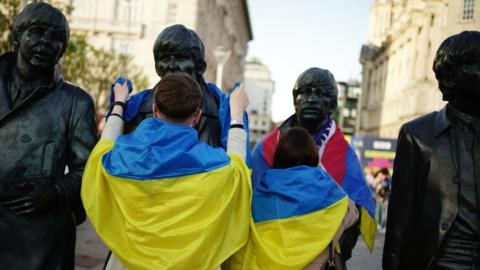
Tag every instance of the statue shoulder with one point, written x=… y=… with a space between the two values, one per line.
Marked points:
x=422 y=127
x=76 y=92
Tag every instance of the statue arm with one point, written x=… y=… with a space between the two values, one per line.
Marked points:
x=81 y=140
x=401 y=202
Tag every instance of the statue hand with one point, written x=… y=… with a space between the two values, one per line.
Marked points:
x=36 y=199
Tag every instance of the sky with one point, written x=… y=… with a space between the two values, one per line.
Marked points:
x=290 y=36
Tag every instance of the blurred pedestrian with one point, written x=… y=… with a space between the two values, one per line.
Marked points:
x=382 y=186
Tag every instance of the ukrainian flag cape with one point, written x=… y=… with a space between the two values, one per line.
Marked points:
x=340 y=162
x=136 y=101
x=296 y=214
x=160 y=199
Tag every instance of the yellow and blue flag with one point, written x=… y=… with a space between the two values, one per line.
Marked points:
x=296 y=214
x=341 y=163
x=160 y=199
x=135 y=102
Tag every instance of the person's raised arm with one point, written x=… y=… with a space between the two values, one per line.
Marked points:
x=114 y=125
x=237 y=136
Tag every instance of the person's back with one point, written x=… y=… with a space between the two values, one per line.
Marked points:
x=298 y=211
x=161 y=199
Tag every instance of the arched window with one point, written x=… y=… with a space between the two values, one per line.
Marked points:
x=468 y=7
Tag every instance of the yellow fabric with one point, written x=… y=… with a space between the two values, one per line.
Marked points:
x=368 y=228
x=190 y=222
x=290 y=243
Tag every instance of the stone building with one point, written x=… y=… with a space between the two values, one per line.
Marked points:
x=346 y=113
x=131 y=27
x=260 y=89
x=398 y=83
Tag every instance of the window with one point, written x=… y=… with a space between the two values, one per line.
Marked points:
x=468 y=6
x=353 y=113
x=83 y=8
x=126 y=10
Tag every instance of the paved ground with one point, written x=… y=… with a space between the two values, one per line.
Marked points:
x=91 y=253
x=362 y=259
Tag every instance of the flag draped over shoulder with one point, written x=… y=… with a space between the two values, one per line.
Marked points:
x=340 y=161
x=160 y=199
x=296 y=214
x=135 y=102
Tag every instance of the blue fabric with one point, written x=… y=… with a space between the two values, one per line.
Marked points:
x=224 y=117
x=120 y=80
x=157 y=149
x=360 y=194
x=259 y=165
x=134 y=103
x=284 y=193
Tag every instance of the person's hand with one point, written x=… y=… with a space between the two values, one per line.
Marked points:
x=120 y=91
x=238 y=103
x=36 y=199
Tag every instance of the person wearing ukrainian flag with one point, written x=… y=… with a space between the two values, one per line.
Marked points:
x=299 y=212
x=315 y=98
x=158 y=197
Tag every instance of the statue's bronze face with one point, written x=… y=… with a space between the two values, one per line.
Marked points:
x=457 y=69
x=469 y=86
x=315 y=98
x=312 y=104
x=174 y=60
x=40 y=46
x=179 y=49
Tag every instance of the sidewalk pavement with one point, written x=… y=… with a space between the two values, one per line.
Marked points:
x=90 y=253
x=362 y=259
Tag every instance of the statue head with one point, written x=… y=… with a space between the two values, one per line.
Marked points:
x=179 y=49
x=457 y=67
x=314 y=97
x=40 y=36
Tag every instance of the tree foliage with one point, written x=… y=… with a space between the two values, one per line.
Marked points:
x=91 y=68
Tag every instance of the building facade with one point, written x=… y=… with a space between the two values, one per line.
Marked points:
x=346 y=113
x=131 y=27
x=260 y=88
x=398 y=83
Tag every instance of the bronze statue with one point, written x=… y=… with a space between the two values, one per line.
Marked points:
x=179 y=49
x=434 y=212
x=46 y=125
x=315 y=99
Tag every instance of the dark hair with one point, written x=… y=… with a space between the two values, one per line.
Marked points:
x=42 y=14
x=178 y=37
x=178 y=96
x=385 y=171
x=454 y=56
x=321 y=78
x=295 y=147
